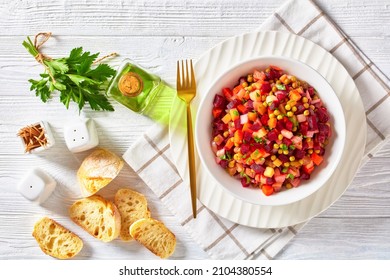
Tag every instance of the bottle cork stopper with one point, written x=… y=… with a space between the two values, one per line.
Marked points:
x=130 y=84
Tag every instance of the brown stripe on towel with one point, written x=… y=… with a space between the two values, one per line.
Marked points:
x=228 y=232
x=310 y=23
x=170 y=189
x=150 y=141
x=379 y=102
x=282 y=21
x=159 y=153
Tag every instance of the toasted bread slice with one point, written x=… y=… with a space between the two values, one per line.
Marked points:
x=55 y=240
x=97 y=170
x=98 y=216
x=132 y=206
x=155 y=236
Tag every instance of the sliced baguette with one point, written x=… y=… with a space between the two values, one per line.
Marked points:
x=97 y=170
x=155 y=236
x=55 y=240
x=98 y=216
x=132 y=206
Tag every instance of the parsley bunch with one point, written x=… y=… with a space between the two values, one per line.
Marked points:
x=74 y=77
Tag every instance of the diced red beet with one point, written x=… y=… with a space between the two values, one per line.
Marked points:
x=244 y=182
x=299 y=154
x=280 y=125
x=322 y=114
x=274 y=105
x=259 y=169
x=300 y=108
x=305 y=176
x=287 y=141
x=283 y=158
x=269 y=147
x=304 y=127
x=312 y=122
x=219 y=101
x=311 y=91
x=281 y=95
x=289 y=125
x=237 y=124
x=247 y=136
x=249 y=105
x=269 y=181
x=245 y=148
x=255 y=127
x=264 y=119
x=265 y=87
x=223 y=163
x=233 y=104
x=273 y=135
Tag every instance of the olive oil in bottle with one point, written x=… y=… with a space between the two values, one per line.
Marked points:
x=134 y=87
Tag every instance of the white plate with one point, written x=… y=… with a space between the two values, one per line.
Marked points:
x=230 y=52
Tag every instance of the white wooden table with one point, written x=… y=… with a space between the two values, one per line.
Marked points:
x=156 y=34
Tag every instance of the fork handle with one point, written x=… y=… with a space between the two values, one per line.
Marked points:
x=191 y=157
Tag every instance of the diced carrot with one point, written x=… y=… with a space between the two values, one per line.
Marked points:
x=272 y=123
x=267 y=189
x=227 y=118
x=237 y=89
x=258 y=76
x=238 y=136
x=317 y=159
x=246 y=127
x=295 y=95
x=234 y=114
x=229 y=143
x=242 y=109
x=252 y=116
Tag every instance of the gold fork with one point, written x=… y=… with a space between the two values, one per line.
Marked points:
x=186 y=91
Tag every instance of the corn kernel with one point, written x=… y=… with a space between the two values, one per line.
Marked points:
x=306 y=105
x=306 y=112
x=293 y=78
x=249 y=88
x=276 y=112
x=237 y=156
x=308 y=139
x=244 y=84
x=294 y=108
x=226 y=134
x=287 y=107
x=232 y=163
x=290 y=114
x=304 y=99
x=287 y=81
x=295 y=128
x=292 y=158
x=280 y=137
x=300 y=161
x=265 y=104
x=310 y=151
x=271 y=116
x=274 y=89
x=288 y=186
x=317 y=151
x=280 y=117
x=286 y=164
x=273 y=157
x=280 y=151
x=285 y=152
x=250 y=78
x=276 y=146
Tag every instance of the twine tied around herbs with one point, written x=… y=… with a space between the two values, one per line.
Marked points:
x=40 y=57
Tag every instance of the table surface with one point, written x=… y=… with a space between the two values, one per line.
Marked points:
x=156 y=34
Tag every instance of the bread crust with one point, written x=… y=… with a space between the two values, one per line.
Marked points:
x=55 y=240
x=132 y=206
x=98 y=216
x=155 y=236
x=97 y=170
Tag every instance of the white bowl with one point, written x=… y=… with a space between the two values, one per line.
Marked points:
x=334 y=150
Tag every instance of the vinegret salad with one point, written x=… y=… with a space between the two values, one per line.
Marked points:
x=270 y=130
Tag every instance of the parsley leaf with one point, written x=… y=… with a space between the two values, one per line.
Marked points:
x=74 y=77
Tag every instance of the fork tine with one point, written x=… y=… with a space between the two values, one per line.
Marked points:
x=184 y=80
x=188 y=81
x=178 y=78
x=193 y=82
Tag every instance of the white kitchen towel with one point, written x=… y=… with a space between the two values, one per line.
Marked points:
x=150 y=156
